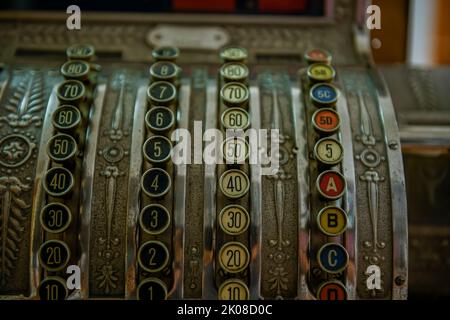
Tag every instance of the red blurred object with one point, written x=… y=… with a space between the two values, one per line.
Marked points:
x=205 y=5
x=281 y=5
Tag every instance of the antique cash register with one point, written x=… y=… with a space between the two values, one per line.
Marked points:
x=93 y=123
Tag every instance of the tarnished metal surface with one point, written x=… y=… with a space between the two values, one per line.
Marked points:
x=283 y=237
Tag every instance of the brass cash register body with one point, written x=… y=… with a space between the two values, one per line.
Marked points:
x=88 y=124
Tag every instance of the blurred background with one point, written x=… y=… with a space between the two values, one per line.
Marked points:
x=413 y=31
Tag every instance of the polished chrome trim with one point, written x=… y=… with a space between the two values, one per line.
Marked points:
x=209 y=219
x=87 y=181
x=255 y=203
x=349 y=198
x=398 y=191
x=180 y=200
x=39 y=193
x=303 y=178
x=133 y=203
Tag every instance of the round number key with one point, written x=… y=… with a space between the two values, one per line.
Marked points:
x=234 y=94
x=234 y=71
x=163 y=70
x=156 y=182
x=317 y=56
x=75 y=69
x=234 y=183
x=153 y=256
x=328 y=151
x=53 y=288
x=61 y=147
x=235 y=54
x=166 y=53
x=326 y=120
x=234 y=257
x=54 y=255
x=159 y=119
x=154 y=219
x=332 y=290
x=81 y=52
x=55 y=217
x=332 y=258
x=152 y=289
x=332 y=221
x=161 y=92
x=331 y=184
x=58 y=181
x=71 y=91
x=323 y=94
x=321 y=72
x=235 y=118
x=234 y=219
x=235 y=150
x=157 y=149
x=66 y=117
x=233 y=289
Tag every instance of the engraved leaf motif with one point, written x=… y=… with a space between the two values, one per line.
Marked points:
x=107 y=278
x=11 y=224
x=279 y=280
x=36 y=101
x=18 y=95
x=28 y=99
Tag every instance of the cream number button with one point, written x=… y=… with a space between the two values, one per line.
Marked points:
x=233 y=289
x=234 y=257
x=234 y=219
x=234 y=94
x=328 y=151
x=234 y=183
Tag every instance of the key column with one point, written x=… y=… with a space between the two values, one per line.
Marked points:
x=155 y=243
x=233 y=198
x=328 y=257
x=62 y=182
